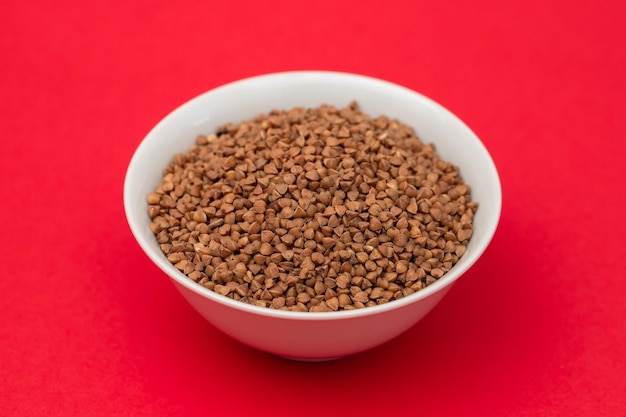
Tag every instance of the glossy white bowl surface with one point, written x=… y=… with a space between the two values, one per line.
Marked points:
x=297 y=334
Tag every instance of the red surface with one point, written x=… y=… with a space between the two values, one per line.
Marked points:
x=88 y=326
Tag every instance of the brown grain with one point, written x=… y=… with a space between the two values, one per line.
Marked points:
x=318 y=210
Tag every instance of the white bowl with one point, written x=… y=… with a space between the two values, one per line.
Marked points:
x=305 y=335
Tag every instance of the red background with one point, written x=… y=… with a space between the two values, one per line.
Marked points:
x=88 y=326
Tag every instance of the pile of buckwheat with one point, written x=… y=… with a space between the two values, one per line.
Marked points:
x=320 y=209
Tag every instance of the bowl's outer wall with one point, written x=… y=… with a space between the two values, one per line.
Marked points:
x=311 y=339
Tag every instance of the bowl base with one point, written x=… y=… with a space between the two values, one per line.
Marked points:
x=311 y=359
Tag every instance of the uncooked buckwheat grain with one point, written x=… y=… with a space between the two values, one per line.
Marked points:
x=320 y=209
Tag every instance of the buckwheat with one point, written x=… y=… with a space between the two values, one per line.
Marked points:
x=319 y=209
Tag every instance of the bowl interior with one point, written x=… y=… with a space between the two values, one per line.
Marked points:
x=245 y=99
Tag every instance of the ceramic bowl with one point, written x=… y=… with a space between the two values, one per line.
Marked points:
x=305 y=335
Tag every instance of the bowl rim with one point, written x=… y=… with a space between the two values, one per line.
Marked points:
x=181 y=279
